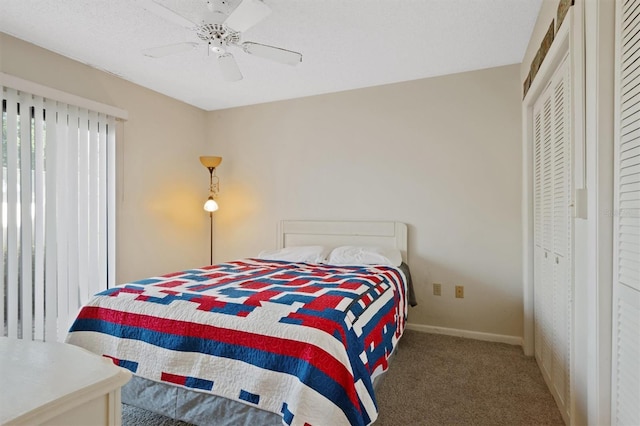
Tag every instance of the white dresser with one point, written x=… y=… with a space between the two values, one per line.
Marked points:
x=57 y=384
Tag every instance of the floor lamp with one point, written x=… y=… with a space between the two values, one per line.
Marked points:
x=214 y=187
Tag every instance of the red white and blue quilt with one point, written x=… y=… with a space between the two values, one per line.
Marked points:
x=300 y=340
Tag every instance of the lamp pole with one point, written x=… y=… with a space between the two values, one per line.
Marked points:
x=211 y=236
x=211 y=169
x=210 y=205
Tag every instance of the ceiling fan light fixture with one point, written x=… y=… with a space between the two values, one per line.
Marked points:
x=217 y=50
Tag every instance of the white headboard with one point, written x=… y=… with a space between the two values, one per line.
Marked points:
x=337 y=233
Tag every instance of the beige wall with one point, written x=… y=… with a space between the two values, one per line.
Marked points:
x=161 y=226
x=441 y=154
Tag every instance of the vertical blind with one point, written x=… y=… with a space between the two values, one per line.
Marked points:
x=57 y=190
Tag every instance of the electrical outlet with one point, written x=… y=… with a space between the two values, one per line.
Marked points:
x=460 y=292
x=437 y=289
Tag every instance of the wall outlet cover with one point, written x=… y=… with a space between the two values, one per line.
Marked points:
x=437 y=289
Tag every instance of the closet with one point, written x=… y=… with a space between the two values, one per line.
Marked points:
x=581 y=113
x=553 y=233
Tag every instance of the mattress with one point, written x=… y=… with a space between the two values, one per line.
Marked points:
x=298 y=341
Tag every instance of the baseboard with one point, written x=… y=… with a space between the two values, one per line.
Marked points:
x=477 y=335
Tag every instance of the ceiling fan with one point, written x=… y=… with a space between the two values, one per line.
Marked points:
x=219 y=24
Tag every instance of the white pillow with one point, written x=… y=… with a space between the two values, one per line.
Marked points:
x=306 y=254
x=365 y=255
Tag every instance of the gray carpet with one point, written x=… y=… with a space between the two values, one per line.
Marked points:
x=444 y=380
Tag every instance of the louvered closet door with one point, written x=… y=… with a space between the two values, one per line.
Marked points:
x=552 y=234
x=562 y=282
x=538 y=251
x=625 y=389
x=543 y=232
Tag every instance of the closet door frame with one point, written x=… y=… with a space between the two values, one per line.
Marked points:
x=599 y=17
x=568 y=42
x=559 y=49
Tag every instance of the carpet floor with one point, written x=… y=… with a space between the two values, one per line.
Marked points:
x=444 y=380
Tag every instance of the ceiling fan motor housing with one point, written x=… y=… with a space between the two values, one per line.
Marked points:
x=217 y=34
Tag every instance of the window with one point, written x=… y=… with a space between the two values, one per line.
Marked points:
x=58 y=179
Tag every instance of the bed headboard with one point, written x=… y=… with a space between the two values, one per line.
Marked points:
x=341 y=233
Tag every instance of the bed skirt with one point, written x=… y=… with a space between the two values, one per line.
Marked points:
x=201 y=408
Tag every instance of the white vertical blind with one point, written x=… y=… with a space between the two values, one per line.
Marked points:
x=62 y=222
x=25 y=244
x=111 y=202
x=50 y=222
x=12 y=285
x=83 y=203
x=56 y=194
x=71 y=176
x=625 y=395
x=3 y=183
x=103 y=202
x=93 y=214
x=39 y=220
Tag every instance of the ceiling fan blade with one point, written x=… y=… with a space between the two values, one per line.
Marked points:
x=171 y=49
x=168 y=14
x=247 y=14
x=229 y=67
x=277 y=54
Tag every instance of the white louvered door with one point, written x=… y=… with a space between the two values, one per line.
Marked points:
x=553 y=234
x=538 y=251
x=562 y=233
x=625 y=389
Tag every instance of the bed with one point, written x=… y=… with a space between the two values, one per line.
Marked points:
x=257 y=341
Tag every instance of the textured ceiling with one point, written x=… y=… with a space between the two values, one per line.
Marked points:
x=346 y=44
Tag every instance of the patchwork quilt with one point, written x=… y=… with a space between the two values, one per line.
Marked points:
x=300 y=340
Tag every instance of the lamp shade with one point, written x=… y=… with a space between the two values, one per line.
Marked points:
x=209 y=161
x=210 y=205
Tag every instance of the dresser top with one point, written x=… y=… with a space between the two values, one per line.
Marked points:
x=36 y=376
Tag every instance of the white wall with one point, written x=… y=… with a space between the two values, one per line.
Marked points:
x=441 y=154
